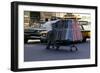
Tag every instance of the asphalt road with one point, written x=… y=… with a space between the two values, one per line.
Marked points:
x=37 y=52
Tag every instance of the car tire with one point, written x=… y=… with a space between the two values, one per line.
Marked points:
x=41 y=40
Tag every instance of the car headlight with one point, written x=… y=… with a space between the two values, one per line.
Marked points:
x=44 y=33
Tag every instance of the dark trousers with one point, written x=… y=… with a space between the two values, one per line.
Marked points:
x=51 y=40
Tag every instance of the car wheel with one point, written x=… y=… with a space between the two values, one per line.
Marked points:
x=73 y=49
x=41 y=40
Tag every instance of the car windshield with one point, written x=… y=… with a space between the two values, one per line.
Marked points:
x=84 y=25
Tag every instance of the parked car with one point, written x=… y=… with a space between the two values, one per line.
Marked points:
x=33 y=33
x=85 y=29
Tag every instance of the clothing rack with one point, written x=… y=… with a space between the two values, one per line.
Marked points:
x=66 y=29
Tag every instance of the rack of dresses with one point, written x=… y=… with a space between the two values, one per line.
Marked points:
x=66 y=29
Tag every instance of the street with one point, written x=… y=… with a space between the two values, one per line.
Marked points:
x=37 y=52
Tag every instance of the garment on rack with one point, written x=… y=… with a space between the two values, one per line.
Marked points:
x=77 y=35
x=69 y=33
x=73 y=30
x=59 y=29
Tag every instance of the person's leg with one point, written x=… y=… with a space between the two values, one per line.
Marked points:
x=49 y=40
x=48 y=45
x=53 y=44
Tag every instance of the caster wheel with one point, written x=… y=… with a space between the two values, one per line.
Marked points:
x=57 y=47
x=73 y=49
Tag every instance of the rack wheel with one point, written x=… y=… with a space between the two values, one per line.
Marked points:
x=73 y=48
x=57 y=47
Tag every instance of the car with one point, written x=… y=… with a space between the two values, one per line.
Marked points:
x=85 y=29
x=33 y=33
